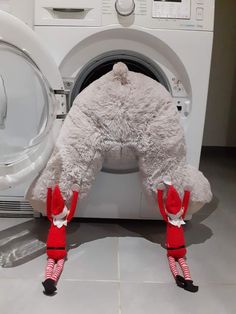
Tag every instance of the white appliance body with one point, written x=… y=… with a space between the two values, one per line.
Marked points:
x=173 y=38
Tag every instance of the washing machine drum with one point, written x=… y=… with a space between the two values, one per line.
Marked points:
x=122 y=121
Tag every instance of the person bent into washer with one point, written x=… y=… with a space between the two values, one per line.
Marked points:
x=59 y=215
x=173 y=212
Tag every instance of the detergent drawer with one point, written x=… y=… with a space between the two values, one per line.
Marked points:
x=68 y=12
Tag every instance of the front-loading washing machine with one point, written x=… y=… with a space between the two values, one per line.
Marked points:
x=170 y=41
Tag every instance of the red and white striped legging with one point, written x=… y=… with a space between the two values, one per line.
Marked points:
x=183 y=265
x=54 y=269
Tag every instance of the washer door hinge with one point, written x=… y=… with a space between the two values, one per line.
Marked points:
x=59 y=92
x=61 y=116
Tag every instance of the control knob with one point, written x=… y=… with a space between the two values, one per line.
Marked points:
x=125 y=7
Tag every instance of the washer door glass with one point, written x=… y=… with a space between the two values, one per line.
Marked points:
x=27 y=105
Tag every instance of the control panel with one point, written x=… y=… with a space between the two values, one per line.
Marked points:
x=167 y=14
x=153 y=14
x=183 y=14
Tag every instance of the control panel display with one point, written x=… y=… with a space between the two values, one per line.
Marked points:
x=171 y=9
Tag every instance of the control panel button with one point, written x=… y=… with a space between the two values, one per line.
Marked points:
x=125 y=7
x=199 y=14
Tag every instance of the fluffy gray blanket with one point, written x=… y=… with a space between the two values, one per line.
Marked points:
x=118 y=118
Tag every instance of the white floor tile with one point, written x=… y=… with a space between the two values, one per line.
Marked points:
x=142 y=298
x=26 y=296
x=142 y=261
x=95 y=260
x=6 y=223
x=32 y=269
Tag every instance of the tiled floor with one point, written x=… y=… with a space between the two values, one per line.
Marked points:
x=120 y=267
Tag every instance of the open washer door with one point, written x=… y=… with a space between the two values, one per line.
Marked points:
x=31 y=99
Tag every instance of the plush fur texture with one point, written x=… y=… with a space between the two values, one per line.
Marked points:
x=118 y=118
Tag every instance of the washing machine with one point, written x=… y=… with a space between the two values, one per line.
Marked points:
x=74 y=43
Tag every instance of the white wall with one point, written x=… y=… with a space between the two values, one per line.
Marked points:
x=220 y=126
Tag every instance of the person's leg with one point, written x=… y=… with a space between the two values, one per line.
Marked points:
x=173 y=267
x=49 y=283
x=49 y=268
x=185 y=268
x=179 y=279
x=188 y=284
x=75 y=159
x=58 y=269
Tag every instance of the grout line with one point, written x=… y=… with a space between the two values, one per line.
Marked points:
x=139 y=282
x=205 y=284
x=118 y=271
x=92 y=280
x=118 y=259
